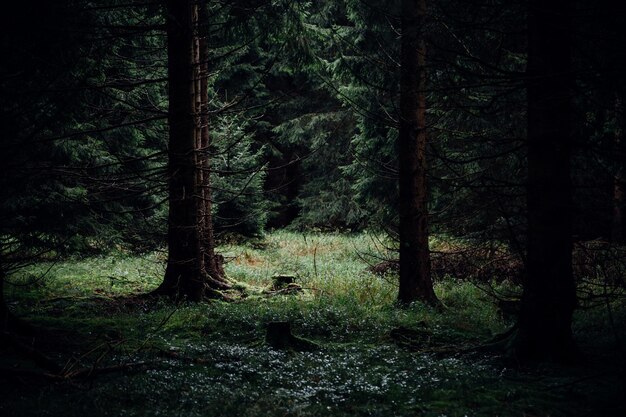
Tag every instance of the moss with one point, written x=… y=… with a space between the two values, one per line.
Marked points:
x=207 y=359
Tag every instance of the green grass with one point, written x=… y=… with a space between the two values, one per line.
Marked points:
x=223 y=368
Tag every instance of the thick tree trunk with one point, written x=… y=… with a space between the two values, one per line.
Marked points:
x=415 y=279
x=189 y=244
x=544 y=326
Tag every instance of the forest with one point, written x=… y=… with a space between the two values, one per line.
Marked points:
x=307 y=208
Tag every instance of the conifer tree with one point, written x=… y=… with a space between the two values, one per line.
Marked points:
x=193 y=270
x=544 y=326
x=415 y=279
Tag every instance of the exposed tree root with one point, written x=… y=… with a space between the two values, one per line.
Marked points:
x=516 y=350
x=212 y=290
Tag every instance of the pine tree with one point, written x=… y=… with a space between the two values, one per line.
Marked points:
x=194 y=270
x=544 y=326
x=415 y=279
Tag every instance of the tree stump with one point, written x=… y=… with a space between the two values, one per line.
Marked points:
x=283 y=285
x=282 y=281
x=279 y=336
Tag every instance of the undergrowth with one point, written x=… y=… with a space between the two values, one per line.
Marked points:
x=209 y=358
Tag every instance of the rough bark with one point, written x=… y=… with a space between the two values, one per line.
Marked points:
x=549 y=298
x=190 y=239
x=213 y=262
x=415 y=279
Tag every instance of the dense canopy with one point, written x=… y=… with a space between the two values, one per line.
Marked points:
x=360 y=207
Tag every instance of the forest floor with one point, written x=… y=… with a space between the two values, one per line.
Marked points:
x=124 y=355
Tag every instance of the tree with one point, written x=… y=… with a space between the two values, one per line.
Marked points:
x=63 y=180
x=549 y=298
x=193 y=270
x=415 y=280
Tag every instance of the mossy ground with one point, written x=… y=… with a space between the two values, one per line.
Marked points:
x=208 y=359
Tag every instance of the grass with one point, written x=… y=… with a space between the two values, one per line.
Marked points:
x=208 y=359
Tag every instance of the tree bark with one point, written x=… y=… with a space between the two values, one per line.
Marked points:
x=549 y=298
x=213 y=262
x=190 y=240
x=415 y=279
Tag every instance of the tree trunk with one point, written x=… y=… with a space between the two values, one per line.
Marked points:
x=544 y=326
x=213 y=262
x=415 y=279
x=189 y=241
